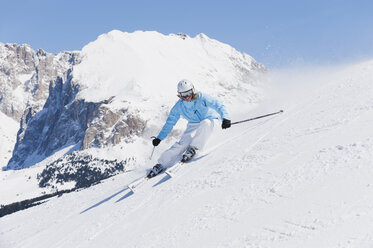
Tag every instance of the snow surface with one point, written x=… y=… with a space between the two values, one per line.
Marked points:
x=8 y=135
x=299 y=179
x=19 y=185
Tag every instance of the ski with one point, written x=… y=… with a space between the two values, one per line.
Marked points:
x=137 y=183
x=172 y=170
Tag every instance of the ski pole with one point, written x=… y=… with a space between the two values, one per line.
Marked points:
x=258 y=117
x=151 y=155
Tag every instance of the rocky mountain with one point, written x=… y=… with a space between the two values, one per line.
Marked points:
x=65 y=121
x=25 y=76
x=116 y=92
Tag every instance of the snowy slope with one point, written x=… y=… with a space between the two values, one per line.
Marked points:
x=8 y=134
x=301 y=179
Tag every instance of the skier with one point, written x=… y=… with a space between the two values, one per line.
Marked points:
x=202 y=112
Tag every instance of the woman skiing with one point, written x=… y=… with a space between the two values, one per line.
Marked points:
x=202 y=112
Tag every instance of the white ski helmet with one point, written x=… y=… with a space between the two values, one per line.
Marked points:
x=185 y=87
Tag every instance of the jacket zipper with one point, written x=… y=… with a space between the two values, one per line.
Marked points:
x=198 y=115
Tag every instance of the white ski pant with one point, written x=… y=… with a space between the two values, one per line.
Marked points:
x=195 y=135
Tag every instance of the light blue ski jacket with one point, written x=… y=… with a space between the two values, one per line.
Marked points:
x=195 y=111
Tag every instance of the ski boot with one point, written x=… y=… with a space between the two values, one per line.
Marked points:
x=158 y=168
x=189 y=154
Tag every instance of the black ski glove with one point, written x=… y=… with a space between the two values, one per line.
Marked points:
x=156 y=141
x=226 y=124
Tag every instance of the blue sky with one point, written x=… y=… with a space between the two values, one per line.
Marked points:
x=277 y=33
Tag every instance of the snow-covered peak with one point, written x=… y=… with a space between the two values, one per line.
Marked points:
x=144 y=65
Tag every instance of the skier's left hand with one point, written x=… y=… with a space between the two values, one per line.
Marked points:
x=156 y=141
x=226 y=124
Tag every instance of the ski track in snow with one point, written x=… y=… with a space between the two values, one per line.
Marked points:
x=299 y=179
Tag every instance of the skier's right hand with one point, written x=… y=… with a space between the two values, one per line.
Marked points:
x=156 y=141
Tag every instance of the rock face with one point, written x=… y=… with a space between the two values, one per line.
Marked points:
x=66 y=121
x=25 y=76
x=110 y=127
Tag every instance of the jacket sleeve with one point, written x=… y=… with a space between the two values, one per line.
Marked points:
x=172 y=119
x=216 y=105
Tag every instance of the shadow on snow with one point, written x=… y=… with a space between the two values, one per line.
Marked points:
x=103 y=201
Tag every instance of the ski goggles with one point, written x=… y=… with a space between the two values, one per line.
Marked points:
x=185 y=94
